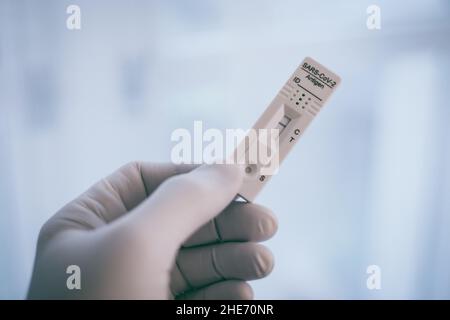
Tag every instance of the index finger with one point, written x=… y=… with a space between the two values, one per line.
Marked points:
x=238 y=222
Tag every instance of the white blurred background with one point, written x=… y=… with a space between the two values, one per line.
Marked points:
x=369 y=183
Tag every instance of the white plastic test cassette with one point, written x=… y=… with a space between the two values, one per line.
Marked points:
x=295 y=106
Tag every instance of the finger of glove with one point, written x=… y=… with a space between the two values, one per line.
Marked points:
x=224 y=290
x=238 y=222
x=201 y=266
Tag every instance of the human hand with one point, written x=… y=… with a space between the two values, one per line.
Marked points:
x=156 y=231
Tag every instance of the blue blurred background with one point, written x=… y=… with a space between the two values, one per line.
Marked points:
x=368 y=184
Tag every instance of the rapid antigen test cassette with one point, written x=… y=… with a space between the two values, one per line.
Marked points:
x=292 y=110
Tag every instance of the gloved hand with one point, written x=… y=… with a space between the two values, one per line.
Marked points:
x=156 y=231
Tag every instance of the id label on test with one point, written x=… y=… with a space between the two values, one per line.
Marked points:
x=291 y=111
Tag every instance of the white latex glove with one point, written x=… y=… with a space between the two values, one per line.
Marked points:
x=156 y=231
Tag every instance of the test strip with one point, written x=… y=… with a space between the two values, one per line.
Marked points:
x=291 y=111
